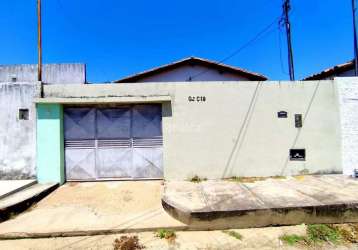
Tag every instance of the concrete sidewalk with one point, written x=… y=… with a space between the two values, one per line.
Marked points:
x=234 y=204
x=23 y=196
x=92 y=208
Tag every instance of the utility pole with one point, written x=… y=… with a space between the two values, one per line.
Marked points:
x=39 y=42
x=286 y=9
x=354 y=10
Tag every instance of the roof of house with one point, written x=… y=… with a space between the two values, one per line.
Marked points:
x=194 y=60
x=335 y=70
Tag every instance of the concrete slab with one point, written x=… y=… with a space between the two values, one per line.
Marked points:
x=25 y=195
x=91 y=208
x=8 y=187
x=277 y=194
x=227 y=204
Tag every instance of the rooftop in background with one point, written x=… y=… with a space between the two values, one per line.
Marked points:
x=344 y=69
x=183 y=70
x=64 y=73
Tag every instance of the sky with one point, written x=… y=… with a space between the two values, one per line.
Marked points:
x=117 y=38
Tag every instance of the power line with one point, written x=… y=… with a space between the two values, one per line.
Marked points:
x=259 y=35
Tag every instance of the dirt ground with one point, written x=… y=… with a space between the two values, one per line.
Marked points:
x=106 y=197
x=256 y=238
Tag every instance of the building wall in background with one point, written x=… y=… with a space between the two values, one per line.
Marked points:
x=65 y=73
x=217 y=130
x=17 y=137
x=348 y=73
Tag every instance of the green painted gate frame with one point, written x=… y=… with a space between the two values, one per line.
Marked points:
x=50 y=143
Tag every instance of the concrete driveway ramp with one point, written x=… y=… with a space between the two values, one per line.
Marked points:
x=92 y=208
x=231 y=204
x=22 y=197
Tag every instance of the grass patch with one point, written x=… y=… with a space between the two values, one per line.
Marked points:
x=166 y=234
x=315 y=234
x=234 y=234
x=197 y=179
x=323 y=233
x=292 y=239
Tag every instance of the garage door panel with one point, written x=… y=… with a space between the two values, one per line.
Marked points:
x=147 y=121
x=113 y=123
x=147 y=162
x=79 y=123
x=120 y=142
x=80 y=164
x=114 y=162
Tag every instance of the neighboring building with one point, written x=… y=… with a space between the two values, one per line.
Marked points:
x=193 y=69
x=341 y=70
x=18 y=89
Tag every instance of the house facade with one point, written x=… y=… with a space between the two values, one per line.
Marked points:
x=176 y=130
x=179 y=130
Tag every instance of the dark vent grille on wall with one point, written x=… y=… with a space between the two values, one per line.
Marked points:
x=297 y=154
x=298 y=120
x=282 y=114
x=23 y=114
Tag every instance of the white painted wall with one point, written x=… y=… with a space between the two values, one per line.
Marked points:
x=17 y=137
x=348 y=98
x=182 y=74
x=236 y=131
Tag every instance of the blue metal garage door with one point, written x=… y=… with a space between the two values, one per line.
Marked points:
x=115 y=142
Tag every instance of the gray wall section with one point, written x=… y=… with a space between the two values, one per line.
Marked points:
x=236 y=131
x=17 y=137
x=66 y=73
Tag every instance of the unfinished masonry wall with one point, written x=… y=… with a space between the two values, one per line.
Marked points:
x=17 y=137
x=228 y=129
